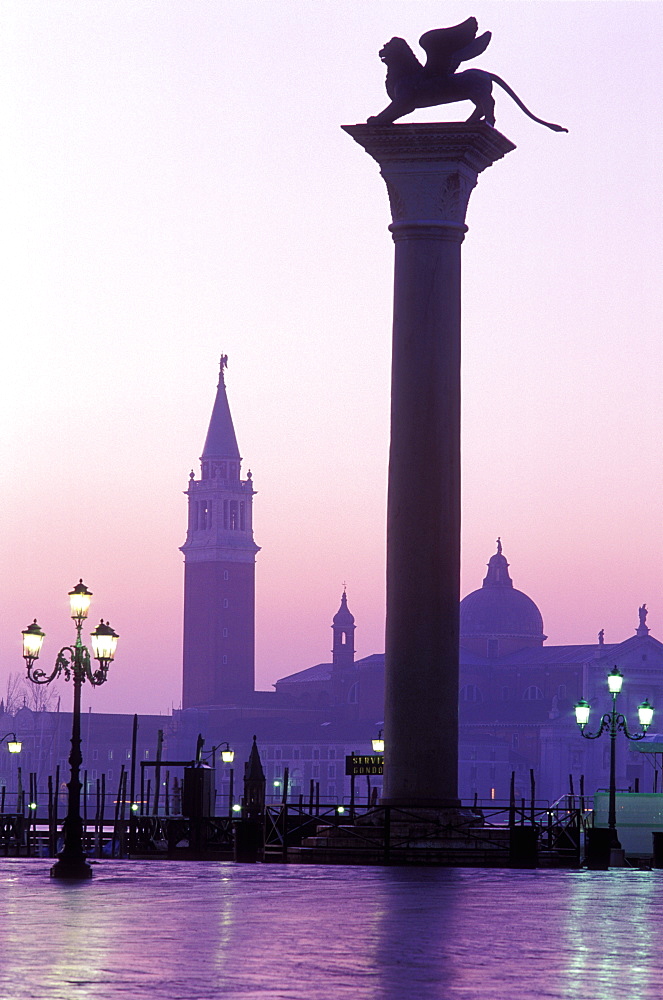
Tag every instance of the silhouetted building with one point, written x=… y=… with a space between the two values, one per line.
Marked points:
x=219 y=572
x=516 y=694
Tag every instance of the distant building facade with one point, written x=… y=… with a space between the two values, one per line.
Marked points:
x=516 y=696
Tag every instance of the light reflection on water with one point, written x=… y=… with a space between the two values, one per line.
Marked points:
x=199 y=931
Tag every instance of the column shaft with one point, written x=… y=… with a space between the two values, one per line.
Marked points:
x=423 y=521
x=430 y=171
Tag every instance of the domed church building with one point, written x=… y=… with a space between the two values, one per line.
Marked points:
x=517 y=695
x=501 y=640
x=498 y=619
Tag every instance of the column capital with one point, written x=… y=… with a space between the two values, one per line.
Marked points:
x=430 y=171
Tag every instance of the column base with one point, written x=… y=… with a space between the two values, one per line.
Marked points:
x=418 y=804
x=71 y=868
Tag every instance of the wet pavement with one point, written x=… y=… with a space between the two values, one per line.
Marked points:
x=203 y=930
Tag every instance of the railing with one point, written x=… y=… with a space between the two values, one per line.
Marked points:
x=384 y=831
x=392 y=832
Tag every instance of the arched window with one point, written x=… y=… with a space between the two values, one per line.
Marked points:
x=353 y=694
x=204 y=514
x=533 y=693
x=470 y=692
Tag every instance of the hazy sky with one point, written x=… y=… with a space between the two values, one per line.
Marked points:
x=175 y=183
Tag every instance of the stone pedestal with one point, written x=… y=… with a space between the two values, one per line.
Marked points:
x=430 y=171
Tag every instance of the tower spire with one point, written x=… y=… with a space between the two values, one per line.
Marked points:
x=220 y=443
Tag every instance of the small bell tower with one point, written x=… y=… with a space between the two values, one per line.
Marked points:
x=343 y=631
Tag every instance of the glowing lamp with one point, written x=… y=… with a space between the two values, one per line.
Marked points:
x=645 y=714
x=615 y=680
x=134 y=807
x=340 y=810
x=378 y=743
x=32 y=640
x=79 y=602
x=227 y=755
x=104 y=642
x=237 y=808
x=14 y=746
x=582 y=712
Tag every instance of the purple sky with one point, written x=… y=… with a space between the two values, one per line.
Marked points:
x=175 y=184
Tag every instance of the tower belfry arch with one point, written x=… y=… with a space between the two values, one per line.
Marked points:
x=219 y=570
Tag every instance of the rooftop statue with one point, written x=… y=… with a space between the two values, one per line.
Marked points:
x=411 y=85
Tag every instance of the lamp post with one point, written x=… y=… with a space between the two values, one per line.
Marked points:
x=73 y=662
x=613 y=723
x=227 y=754
x=14 y=745
x=227 y=757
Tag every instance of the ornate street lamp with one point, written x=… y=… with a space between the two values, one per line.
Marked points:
x=73 y=662
x=378 y=742
x=614 y=723
x=14 y=745
x=227 y=754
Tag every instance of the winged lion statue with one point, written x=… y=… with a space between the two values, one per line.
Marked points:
x=411 y=85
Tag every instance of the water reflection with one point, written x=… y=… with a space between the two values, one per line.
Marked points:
x=417 y=952
x=204 y=931
x=611 y=930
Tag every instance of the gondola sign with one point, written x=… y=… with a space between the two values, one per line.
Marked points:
x=364 y=763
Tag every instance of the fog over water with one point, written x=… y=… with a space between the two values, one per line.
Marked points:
x=199 y=931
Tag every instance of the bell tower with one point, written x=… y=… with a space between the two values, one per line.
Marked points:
x=343 y=631
x=219 y=571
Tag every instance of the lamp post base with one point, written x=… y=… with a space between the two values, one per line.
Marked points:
x=617 y=857
x=71 y=868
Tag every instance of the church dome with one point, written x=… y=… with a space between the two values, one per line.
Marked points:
x=498 y=610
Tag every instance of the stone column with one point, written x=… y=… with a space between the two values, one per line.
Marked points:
x=430 y=171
